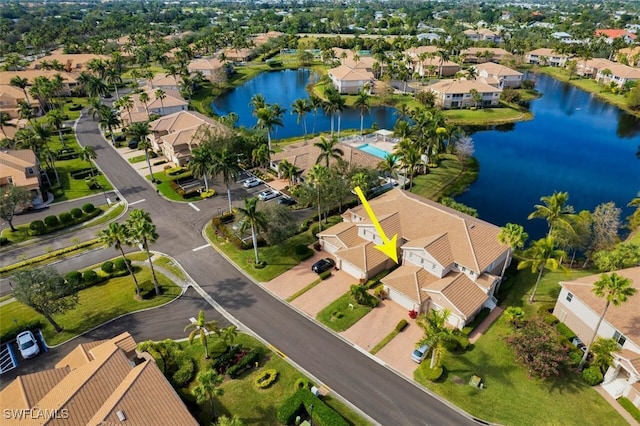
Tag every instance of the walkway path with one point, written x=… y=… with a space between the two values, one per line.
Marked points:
x=485 y=324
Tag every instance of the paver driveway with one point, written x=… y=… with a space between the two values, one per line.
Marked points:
x=296 y=278
x=376 y=325
x=316 y=299
x=397 y=353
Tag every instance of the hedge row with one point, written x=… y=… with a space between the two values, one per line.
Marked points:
x=476 y=321
x=13 y=332
x=46 y=256
x=247 y=361
x=299 y=404
x=64 y=220
x=84 y=173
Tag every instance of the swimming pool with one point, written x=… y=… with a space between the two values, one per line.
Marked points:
x=380 y=153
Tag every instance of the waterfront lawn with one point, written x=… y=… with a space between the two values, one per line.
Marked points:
x=279 y=258
x=447 y=179
x=252 y=405
x=97 y=305
x=566 y=399
x=485 y=116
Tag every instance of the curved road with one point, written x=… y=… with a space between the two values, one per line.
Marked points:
x=385 y=396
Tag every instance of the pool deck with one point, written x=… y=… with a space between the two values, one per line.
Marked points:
x=383 y=143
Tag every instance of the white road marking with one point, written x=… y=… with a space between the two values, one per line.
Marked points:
x=194 y=207
x=137 y=202
x=201 y=247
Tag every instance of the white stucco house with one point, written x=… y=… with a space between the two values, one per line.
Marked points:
x=505 y=76
x=546 y=56
x=580 y=310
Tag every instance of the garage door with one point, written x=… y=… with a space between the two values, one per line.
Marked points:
x=350 y=269
x=401 y=299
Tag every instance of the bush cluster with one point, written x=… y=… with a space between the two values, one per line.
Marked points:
x=302 y=252
x=266 y=378
x=84 y=173
x=13 y=332
x=80 y=280
x=302 y=383
x=64 y=220
x=592 y=375
x=324 y=275
x=431 y=374
x=228 y=358
x=173 y=171
x=299 y=404
x=402 y=324
x=247 y=361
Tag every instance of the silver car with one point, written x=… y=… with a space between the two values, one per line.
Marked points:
x=268 y=194
x=27 y=344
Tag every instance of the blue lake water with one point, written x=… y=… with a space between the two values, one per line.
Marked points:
x=575 y=143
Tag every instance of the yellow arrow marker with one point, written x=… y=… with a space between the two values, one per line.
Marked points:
x=388 y=246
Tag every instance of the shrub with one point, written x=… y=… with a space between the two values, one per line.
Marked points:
x=302 y=383
x=120 y=265
x=431 y=374
x=74 y=279
x=88 y=208
x=575 y=356
x=172 y=171
x=222 y=362
x=4 y=241
x=207 y=194
x=299 y=403
x=184 y=374
x=76 y=212
x=266 y=378
x=628 y=405
x=324 y=275
x=107 y=267
x=12 y=333
x=592 y=375
x=51 y=221
x=89 y=277
x=546 y=308
x=38 y=227
x=66 y=218
x=250 y=357
x=315 y=229
x=550 y=319
x=565 y=331
x=402 y=324
x=380 y=292
x=302 y=252
x=75 y=107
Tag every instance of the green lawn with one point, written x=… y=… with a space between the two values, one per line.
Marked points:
x=564 y=400
x=138 y=159
x=486 y=116
x=338 y=316
x=445 y=180
x=97 y=305
x=258 y=406
x=279 y=258
x=165 y=186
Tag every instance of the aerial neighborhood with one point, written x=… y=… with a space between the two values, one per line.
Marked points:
x=319 y=213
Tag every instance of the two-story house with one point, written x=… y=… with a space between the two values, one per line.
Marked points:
x=447 y=259
x=545 y=57
x=618 y=74
x=21 y=168
x=459 y=93
x=504 y=76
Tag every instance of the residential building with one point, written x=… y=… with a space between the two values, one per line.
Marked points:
x=10 y=98
x=591 y=67
x=431 y=64
x=239 y=55
x=352 y=75
x=546 y=56
x=479 y=55
x=212 y=69
x=483 y=34
x=580 y=309
x=447 y=259
x=164 y=82
x=172 y=102
x=631 y=53
x=70 y=62
x=97 y=383
x=175 y=135
x=505 y=77
x=69 y=80
x=618 y=74
x=21 y=168
x=458 y=93
x=609 y=34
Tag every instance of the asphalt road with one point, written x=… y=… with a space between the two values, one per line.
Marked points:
x=386 y=397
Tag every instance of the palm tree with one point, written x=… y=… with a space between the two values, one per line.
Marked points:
x=233 y=421
x=318 y=175
x=359 y=293
x=144 y=98
x=55 y=118
x=112 y=78
x=315 y=103
x=328 y=150
x=88 y=154
x=225 y=163
x=126 y=103
x=261 y=155
x=514 y=236
x=139 y=131
x=160 y=95
x=288 y=170
x=389 y=165
x=207 y=387
x=555 y=210
x=256 y=103
x=254 y=219
x=436 y=334
x=25 y=112
x=411 y=158
x=107 y=120
x=96 y=87
x=200 y=328
x=144 y=232
x=602 y=349
x=362 y=102
x=4 y=121
x=614 y=289
x=542 y=255
x=301 y=107
x=201 y=163
x=267 y=119
x=115 y=235
x=21 y=83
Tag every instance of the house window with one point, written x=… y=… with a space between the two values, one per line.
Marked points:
x=619 y=338
x=569 y=297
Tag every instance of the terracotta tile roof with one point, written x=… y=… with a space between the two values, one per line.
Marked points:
x=625 y=71
x=205 y=64
x=172 y=98
x=547 y=52
x=30 y=75
x=14 y=164
x=496 y=69
x=364 y=63
x=345 y=73
x=596 y=63
x=410 y=280
x=184 y=120
x=71 y=61
x=416 y=51
x=13 y=93
x=437 y=245
x=458 y=292
x=631 y=357
x=461 y=87
x=163 y=80
x=343 y=235
x=497 y=51
x=93 y=392
x=626 y=317
x=615 y=33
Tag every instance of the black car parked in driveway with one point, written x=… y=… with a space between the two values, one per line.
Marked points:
x=323 y=265
x=286 y=201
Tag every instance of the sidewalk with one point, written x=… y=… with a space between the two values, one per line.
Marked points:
x=485 y=324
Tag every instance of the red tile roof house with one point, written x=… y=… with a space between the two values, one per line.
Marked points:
x=580 y=310
x=447 y=259
x=98 y=383
x=611 y=34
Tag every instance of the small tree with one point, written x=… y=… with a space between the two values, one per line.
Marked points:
x=12 y=199
x=436 y=333
x=602 y=350
x=208 y=387
x=200 y=328
x=45 y=291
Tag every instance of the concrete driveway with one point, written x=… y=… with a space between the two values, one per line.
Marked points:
x=397 y=353
x=296 y=278
x=316 y=299
x=376 y=325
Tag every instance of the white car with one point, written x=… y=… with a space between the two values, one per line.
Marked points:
x=268 y=194
x=251 y=182
x=27 y=344
x=419 y=353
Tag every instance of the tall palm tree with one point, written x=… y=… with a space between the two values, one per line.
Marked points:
x=436 y=333
x=139 y=131
x=318 y=176
x=315 y=103
x=301 y=107
x=112 y=77
x=55 y=118
x=126 y=103
x=411 y=158
x=88 y=154
x=4 y=121
x=514 y=236
x=115 y=235
x=328 y=149
x=288 y=170
x=207 y=388
x=160 y=95
x=144 y=232
x=21 y=83
x=362 y=102
x=261 y=155
x=267 y=119
x=200 y=328
x=201 y=163
x=555 y=210
x=542 y=255
x=96 y=87
x=389 y=165
x=614 y=289
x=256 y=103
x=253 y=219
x=108 y=119
x=144 y=98
x=225 y=163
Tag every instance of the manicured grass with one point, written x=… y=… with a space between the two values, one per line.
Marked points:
x=631 y=409
x=382 y=343
x=279 y=258
x=338 y=316
x=97 y=305
x=445 y=180
x=165 y=186
x=167 y=263
x=138 y=159
x=252 y=405
x=560 y=400
x=486 y=116
x=299 y=293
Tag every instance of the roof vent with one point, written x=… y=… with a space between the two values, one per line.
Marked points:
x=121 y=415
